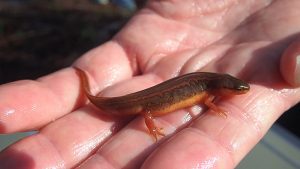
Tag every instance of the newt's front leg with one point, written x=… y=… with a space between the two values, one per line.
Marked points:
x=154 y=131
x=209 y=103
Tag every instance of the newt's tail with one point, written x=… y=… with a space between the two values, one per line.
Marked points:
x=85 y=85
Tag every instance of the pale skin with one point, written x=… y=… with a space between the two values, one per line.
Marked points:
x=254 y=40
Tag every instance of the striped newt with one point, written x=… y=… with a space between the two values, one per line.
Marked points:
x=168 y=96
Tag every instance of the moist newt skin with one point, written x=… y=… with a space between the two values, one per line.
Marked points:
x=177 y=93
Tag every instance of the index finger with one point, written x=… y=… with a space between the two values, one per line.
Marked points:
x=30 y=104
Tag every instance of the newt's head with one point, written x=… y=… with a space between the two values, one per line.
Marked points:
x=229 y=85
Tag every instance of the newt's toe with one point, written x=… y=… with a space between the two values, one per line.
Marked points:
x=156 y=132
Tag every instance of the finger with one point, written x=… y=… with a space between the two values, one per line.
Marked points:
x=180 y=26
x=290 y=64
x=73 y=138
x=64 y=142
x=133 y=144
x=28 y=105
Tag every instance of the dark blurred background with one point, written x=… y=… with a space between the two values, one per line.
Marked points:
x=38 y=37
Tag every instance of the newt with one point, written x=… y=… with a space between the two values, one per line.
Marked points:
x=176 y=93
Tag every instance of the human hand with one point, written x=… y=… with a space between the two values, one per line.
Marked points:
x=162 y=41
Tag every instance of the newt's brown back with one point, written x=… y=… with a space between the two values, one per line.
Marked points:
x=173 y=94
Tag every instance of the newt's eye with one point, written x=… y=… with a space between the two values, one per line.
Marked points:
x=241 y=89
x=244 y=87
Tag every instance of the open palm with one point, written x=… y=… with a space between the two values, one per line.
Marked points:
x=164 y=40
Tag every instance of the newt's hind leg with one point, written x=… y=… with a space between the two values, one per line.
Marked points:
x=153 y=130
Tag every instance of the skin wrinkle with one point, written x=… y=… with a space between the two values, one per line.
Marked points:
x=51 y=143
x=220 y=129
x=199 y=131
x=207 y=58
x=91 y=144
x=283 y=99
x=167 y=125
x=283 y=93
x=87 y=144
x=226 y=12
x=219 y=20
x=228 y=148
x=111 y=71
x=234 y=143
x=245 y=116
x=256 y=120
x=182 y=67
x=59 y=106
x=180 y=41
x=162 y=122
x=174 y=73
x=152 y=6
x=131 y=57
x=240 y=116
x=269 y=33
x=196 y=8
x=94 y=85
x=231 y=146
x=171 y=45
x=262 y=26
x=109 y=162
